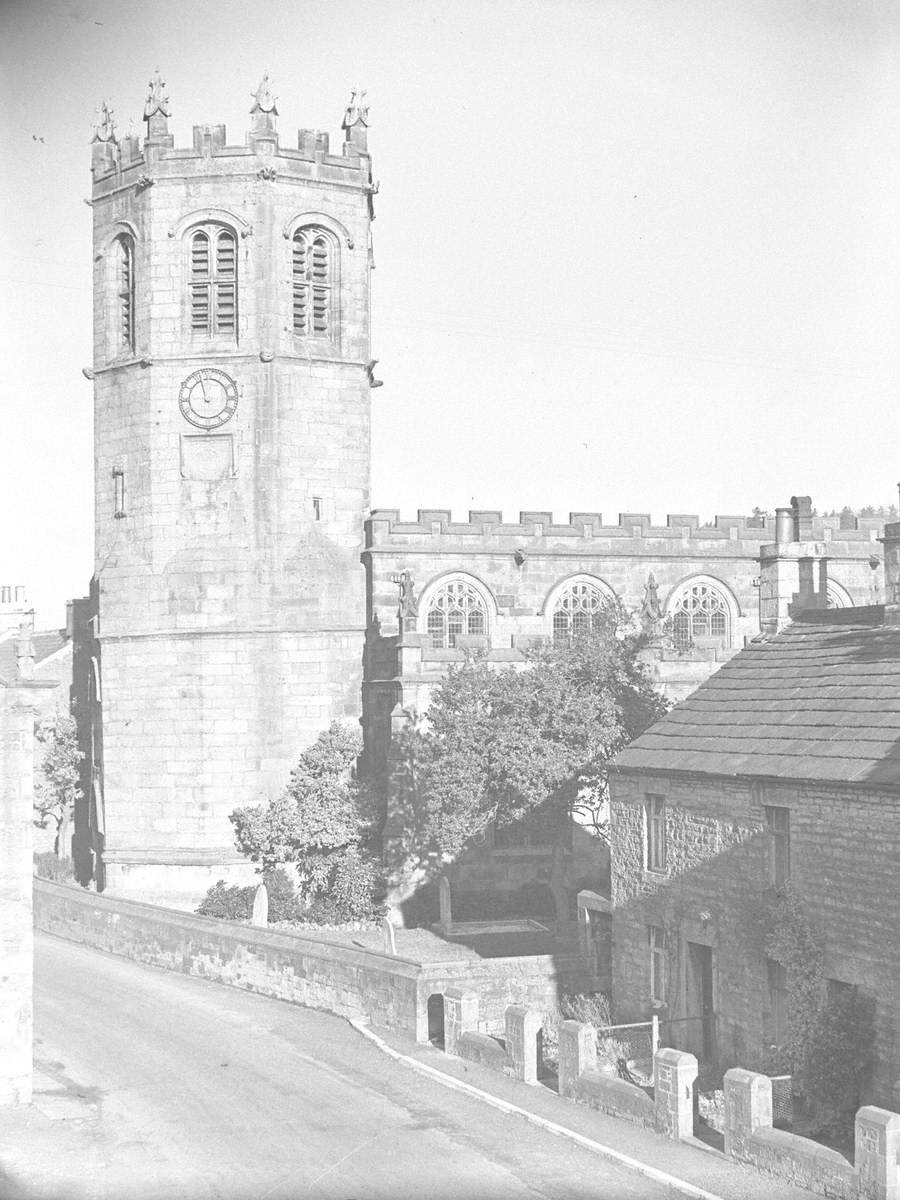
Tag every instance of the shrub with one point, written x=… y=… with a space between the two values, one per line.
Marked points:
x=50 y=866
x=235 y=903
x=356 y=881
x=841 y=1056
x=226 y=903
x=284 y=903
x=589 y=1010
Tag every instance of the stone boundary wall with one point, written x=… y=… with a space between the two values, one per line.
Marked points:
x=668 y=1107
x=750 y=1138
x=390 y=991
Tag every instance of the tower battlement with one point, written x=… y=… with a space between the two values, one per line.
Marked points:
x=131 y=160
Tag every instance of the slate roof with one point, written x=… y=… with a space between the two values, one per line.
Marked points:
x=819 y=701
x=44 y=644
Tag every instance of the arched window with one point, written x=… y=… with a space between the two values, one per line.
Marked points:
x=213 y=289
x=577 y=608
x=314 y=261
x=700 y=610
x=456 y=608
x=125 y=292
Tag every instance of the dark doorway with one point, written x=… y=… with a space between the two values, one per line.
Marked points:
x=699 y=1002
x=436 y=1020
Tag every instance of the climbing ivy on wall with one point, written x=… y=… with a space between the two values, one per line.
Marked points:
x=790 y=941
x=830 y=1040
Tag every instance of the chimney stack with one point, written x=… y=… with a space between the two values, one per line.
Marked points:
x=793 y=570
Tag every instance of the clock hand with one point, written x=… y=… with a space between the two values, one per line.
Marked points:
x=203 y=391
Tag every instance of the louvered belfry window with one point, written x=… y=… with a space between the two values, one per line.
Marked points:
x=125 y=291
x=213 y=281
x=313 y=270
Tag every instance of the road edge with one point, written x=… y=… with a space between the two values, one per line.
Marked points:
x=459 y=1085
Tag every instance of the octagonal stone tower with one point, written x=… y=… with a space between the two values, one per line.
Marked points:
x=231 y=387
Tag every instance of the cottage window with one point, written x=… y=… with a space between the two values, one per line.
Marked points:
x=456 y=609
x=655 y=833
x=578 y=609
x=213 y=286
x=125 y=292
x=314 y=260
x=778 y=821
x=657 y=937
x=778 y=1002
x=701 y=611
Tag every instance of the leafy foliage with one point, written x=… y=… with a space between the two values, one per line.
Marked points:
x=791 y=942
x=48 y=865
x=495 y=744
x=841 y=1056
x=56 y=785
x=227 y=903
x=319 y=825
x=830 y=1043
x=235 y=903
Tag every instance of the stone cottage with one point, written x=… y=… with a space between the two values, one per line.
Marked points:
x=782 y=769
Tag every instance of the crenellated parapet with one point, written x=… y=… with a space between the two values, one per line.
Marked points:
x=385 y=528
x=122 y=162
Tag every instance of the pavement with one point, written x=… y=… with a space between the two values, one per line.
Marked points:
x=153 y=1084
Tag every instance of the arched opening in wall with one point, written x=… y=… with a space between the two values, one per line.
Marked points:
x=436 y=1019
x=577 y=605
x=837 y=596
x=314 y=255
x=455 y=609
x=701 y=616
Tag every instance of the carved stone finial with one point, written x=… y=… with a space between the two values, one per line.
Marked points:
x=104 y=126
x=651 y=611
x=157 y=101
x=264 y=98
x=24 y=648
x=407 y=604
x=357 y=112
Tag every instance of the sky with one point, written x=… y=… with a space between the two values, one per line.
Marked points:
x=631 y=255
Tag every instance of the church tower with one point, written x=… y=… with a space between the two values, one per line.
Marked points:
x=232 y=371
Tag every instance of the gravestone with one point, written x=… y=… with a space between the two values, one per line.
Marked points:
x=446 y=908
x=390 y=940
x=260 y=906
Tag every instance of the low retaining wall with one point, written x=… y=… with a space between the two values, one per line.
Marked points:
x=750 y=1138
x=391 y=992
x=341 y=979
x=668 y=1108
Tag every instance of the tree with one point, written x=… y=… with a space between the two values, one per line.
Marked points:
x=496 y=744
x=317 y=822
x=56 y=780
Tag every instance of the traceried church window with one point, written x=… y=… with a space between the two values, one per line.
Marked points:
x=577 y=609
x=213 y=286
x=125 y=292
x=456 y=609
x=314 y=254
x=701 y=611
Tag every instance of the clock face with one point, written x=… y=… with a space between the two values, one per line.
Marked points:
x=208 y=398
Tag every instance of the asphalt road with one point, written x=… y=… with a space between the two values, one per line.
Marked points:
x=191 y=1089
